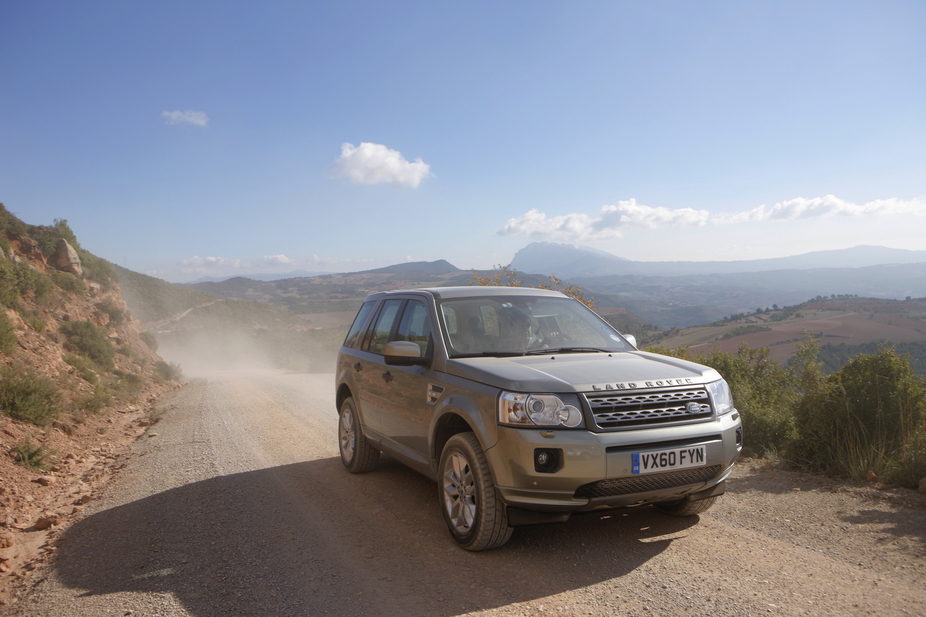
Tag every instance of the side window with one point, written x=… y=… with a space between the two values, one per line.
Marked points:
x=353 y=336
x=415 y=328
x=379 y=334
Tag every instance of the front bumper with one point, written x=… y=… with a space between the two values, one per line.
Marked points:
x=596 y=469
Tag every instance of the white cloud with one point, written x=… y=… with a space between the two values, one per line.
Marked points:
x=198 y=118
x=376 y=164
x=607 y=224
x=830 y=205
x=278 y=259
x=199 y=262
x=612 y=219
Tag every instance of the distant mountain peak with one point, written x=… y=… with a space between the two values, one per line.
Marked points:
x=566 y=260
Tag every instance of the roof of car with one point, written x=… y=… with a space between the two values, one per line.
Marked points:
x=473 y=291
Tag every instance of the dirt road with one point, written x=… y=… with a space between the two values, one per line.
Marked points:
x=237 y=504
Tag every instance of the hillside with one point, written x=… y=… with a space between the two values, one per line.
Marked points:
x=78 y=379
x=843 y=327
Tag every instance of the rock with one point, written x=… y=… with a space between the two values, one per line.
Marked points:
x=47 y=521
x=46 y=480
x=6 y=539
x=871 y=476
x=922 y=488
x=66 y=258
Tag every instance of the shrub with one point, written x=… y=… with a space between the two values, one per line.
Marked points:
x=167 y=371
x=37 y=323
x=30 y=456
x=26 y=395
x=95 y=402
x=90 y=340
x=84 y=366
x=69 y=282
x=869 y=415
x=106 y=306
x=8 y=337
x=150 y=340
x=28 y=279
x=97 y=269
x=9 y=291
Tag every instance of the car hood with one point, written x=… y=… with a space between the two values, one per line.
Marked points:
x=581 y=372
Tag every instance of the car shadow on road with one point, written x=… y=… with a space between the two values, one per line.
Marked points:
x=308 y=538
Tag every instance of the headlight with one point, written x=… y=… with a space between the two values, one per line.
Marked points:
x=539 y=410
x=720 y=394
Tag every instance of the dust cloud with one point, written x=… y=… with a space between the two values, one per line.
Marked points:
x=208 y=350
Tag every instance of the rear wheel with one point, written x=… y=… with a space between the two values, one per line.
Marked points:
x=683 y=507
x=474 y=515
x=356 y=452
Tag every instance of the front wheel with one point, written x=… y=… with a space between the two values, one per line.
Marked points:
x=474 y=515
x=356 y=452
x=684 y=507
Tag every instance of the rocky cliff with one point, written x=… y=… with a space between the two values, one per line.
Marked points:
x=79 y=380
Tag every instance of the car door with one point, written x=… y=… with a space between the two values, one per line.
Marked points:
x=406 y=409
x=370 y=377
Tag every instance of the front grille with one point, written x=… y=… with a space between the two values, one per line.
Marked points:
x=615 y=410
x=646 y=483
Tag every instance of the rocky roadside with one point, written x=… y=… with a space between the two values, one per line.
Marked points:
x=38 y=505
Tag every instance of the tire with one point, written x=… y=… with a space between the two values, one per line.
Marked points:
x=683 y=507
x=475 y=516
x=357 y=454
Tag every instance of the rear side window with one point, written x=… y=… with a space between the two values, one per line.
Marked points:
x=415 y=328
x=379 y=335
x=353 y=336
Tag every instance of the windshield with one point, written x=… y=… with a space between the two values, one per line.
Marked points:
x=521 y=325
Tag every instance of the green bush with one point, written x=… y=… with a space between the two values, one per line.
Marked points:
x=116 y=315
x=869 y=415
x=167 y=371
x=150 y=340
x=26 y=279
x=90 y=340
x=30 y=456
x=26 y=395
x=8 y=337
x=95 y=402
x=97 y=269
x=84 y=366
x=9 y=289
x=9 y=222
x=69 y=282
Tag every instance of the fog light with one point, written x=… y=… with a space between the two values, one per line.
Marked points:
x=739 y=437
x=547 y=461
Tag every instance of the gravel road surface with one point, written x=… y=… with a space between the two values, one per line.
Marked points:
x=236 y=503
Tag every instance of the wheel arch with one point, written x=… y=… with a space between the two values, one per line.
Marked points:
x=446 y=426
x=343 y=394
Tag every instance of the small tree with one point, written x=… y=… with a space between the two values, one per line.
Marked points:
x=506 y=276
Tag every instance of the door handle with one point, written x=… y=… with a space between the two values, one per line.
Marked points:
x=357 y=367
x=387 y=376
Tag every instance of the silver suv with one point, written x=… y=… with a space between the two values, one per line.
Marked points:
x=525 y=407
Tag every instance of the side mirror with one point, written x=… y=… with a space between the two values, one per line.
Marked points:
x=631 y=339
x=405 y=353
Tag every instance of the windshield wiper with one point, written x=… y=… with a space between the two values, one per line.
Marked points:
x=543 y=352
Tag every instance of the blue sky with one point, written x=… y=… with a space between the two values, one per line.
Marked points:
x=190 y=139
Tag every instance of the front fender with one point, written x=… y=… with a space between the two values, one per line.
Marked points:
x=463 y=406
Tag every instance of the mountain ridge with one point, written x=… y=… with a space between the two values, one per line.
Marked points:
x=566 y=260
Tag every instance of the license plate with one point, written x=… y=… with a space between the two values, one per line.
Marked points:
x=664 y=460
